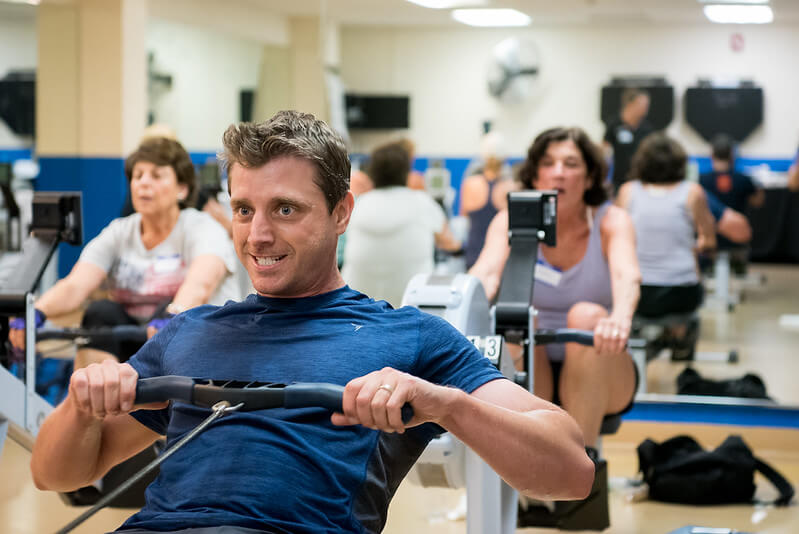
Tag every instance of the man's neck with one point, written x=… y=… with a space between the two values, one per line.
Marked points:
x=720 y=166
x=631 y=120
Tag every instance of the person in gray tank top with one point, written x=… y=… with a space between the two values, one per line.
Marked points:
x=589 y=280
x=672 y=221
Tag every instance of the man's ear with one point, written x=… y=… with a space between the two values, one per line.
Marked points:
x=343 y=211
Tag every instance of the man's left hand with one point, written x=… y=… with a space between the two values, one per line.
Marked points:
x=375 y=401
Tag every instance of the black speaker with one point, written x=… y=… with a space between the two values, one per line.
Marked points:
x=246 y=100
x=18 y=102
x=734 y=111
x=376 y=112
x=661 y=98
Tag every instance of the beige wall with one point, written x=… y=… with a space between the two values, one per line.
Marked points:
x=444 y=72
x=91 y=77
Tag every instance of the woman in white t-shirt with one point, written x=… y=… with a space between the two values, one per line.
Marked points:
x=159 y=261
x=393 y=231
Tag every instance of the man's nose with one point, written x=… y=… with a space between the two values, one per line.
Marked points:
x=262 y=229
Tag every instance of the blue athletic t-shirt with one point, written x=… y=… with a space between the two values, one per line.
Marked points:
x=284 y=470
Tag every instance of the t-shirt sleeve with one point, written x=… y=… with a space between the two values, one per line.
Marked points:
x=206 y=236
x=148 y=362
x=447 y=358
x=102 y=250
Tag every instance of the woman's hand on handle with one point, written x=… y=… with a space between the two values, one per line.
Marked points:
x=611 y=334
x=376 y=400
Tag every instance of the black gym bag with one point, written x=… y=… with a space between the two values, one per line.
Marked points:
x=750 y=386
x=680 y=471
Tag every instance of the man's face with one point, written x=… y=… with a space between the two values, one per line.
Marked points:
x=282 y=229
x=640 y=106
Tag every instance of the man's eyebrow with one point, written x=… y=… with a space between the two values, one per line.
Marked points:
x=238 y=202
x=280 y=201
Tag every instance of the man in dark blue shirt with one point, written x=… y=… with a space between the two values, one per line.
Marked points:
x=734 y=189
x=302 y=470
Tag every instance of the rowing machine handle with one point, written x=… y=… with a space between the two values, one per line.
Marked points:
x=325 y=395
x=564 y=335
x=162 y=388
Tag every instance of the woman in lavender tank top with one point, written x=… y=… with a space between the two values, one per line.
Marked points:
x=590 y=280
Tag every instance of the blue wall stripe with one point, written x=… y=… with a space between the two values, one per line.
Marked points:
x=10 y=155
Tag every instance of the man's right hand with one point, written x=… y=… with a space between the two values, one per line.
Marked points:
x=107 y=388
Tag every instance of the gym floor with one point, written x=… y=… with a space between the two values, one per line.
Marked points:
x=764 y=347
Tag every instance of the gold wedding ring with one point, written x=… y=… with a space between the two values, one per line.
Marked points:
x=387 y=387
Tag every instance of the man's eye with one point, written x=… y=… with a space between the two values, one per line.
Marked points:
x=286 y=210
x=244 y=212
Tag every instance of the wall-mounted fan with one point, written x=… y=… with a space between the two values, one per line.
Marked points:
x=514 y=66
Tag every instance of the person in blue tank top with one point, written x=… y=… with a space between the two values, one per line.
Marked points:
x=302 y=470
x=589 y=280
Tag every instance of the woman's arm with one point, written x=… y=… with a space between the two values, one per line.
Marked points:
x=65 y=296
x=491 y=262
x=473 y=194
x=445 y=239
x=70 y=292
x=793 y=176
x=205 y=274
x=703 y=220
x=618 y=244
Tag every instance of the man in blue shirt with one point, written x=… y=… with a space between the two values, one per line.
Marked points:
x=302 y=470
x=732 y=188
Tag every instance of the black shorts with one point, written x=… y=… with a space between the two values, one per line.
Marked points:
x=107 y=313
x=657 y=301
x=557 y=368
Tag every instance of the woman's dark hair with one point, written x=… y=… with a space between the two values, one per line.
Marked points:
x=162 y=151
x=659 y=160
x=597 y=170
x=389 y=166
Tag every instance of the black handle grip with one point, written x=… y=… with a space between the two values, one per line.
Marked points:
x=163 y=388
x=127 y=332
x=564 y=335
x=328 y=396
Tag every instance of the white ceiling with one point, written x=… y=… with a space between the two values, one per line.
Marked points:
x=544 y=12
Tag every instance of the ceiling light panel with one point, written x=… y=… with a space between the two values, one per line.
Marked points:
x=491 y=17
x=739 y=14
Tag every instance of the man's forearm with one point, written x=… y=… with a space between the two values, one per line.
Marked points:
x=67 y=449
x=540 y=453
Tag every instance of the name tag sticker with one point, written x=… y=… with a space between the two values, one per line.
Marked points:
x=167 y=264
x=548 y=275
